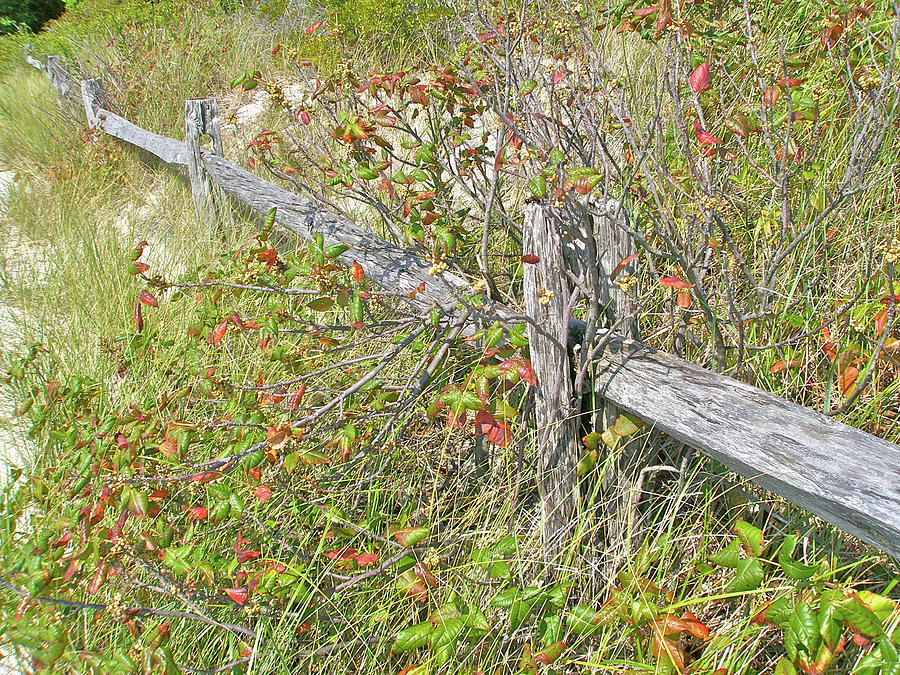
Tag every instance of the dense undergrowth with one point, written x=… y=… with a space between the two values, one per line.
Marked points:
x=231 y=459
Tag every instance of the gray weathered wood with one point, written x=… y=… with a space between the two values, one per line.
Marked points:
x=59 y=76
x=841 y=474
x=201 y=117
x=555 y=423
x=94 y=98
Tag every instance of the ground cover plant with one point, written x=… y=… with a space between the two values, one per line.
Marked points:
x=236 y=442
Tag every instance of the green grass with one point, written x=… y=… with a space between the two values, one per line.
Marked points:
x=78 y=207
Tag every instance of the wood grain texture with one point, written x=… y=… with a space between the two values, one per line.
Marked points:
x=201 y=117
x=554 y=420
x=842 y=474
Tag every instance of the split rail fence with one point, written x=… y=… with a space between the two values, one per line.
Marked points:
x=843 y=475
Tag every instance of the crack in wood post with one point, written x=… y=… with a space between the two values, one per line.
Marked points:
x=201 y=116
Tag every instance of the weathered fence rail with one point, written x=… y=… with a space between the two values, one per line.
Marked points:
x=841 y=474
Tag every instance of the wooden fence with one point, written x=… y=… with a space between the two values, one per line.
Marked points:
x=841 y=474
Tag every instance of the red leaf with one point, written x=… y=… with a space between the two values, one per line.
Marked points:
x=205 y=477
x=247 y=555
x=343 y=553
x=780 y=366
x=621 y=266
x=357 y=271
x=484 y=422
x=292 y=400
x=367 y=560
x=530 y=259
x=522 y=367
x=880 y=322
x=456 y=421
x=239 y=595
x=98 y=579
x=304 y=117
x=557 y=76
x=770 y=96
x=675 y=282
x=197 y=512
x=699 y=79
x=138 y=317
x=148 y=299
x=500 y=434
x=889 y=299
x=216 y=336
x=683 y=300
x=141 y=267
x=312 y=29
x=422 y=571
x=262 y=493
x=703 y=136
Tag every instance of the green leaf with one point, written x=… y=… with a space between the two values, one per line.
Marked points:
x=791 y=568
x=322 y=304
x=527 y=87
x=557 y=156
x=538 y=186
x=748 y=577
x=751 y=537
x=413 y=637
x=729 y=556
x=784 y=667
x=447 y=633
x=551 y=628
x=506 y=598
x=859 y=617
x=627 y=425
x=803 y=633
x=584 y=620
x=506 y=546
x=335 y=250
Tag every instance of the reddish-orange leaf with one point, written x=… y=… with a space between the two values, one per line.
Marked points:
x=367 y=559
x=422 y=571
x=683 y=300
x=197 y=512
x=530 y=259
x=292 y=400
x=890 y=299
x=880 y=322
x=357 y=271
x=621 y=266
x=454 y=420
x=262 y=493
x=148 y=299
x=664 y=649
x=780 y=366
x=138 y=317
x=522 y=367
x=770 y=96
x=828 y=345
x=141 y=267
x=343 y=553
x=239 y=595
x=205 y=477
x=675 y=282
x=847 y=380
x=484 y=422
x=216 y=336
x=699 y=79
x=168 y=447
x=312 y=29
x=703 y=136
x=500 y=434
x=98 y=579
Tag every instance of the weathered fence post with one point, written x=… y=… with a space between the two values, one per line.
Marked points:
x=613 y=246
x=59 y=76
x=546 y=290
x=94 y=99
x=201 y=116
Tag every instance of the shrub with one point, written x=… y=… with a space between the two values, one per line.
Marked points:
x=31 y=13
